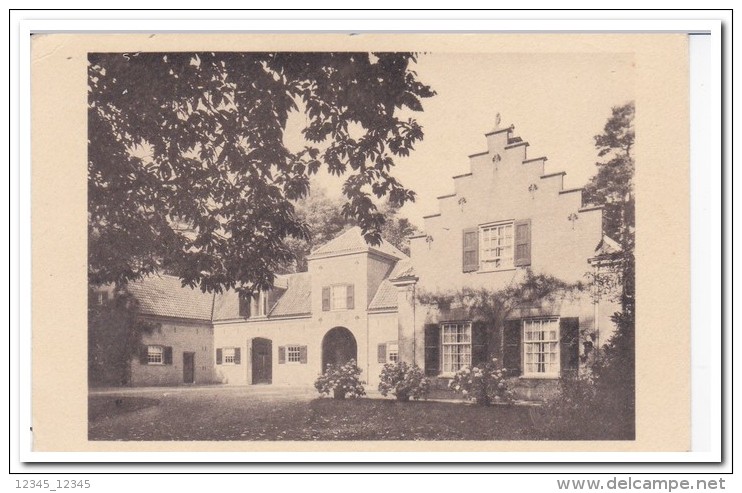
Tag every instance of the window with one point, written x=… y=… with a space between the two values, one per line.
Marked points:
x=392 y=352
x=338 y=297
x=293 y=354
x=496 y=246
x=228 y=356
x=259 y=304
x=255 y=305
x=541 y=347
x=154 y=355
x=455 y=346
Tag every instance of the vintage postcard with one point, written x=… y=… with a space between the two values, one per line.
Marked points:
x=370 y=242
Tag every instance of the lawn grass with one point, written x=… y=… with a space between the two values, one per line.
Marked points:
x=224 y=416
x=373 y=419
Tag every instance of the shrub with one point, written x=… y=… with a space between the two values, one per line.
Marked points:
x=403 y=381
x=341 y=380
x=485 y=385
x=584 y=410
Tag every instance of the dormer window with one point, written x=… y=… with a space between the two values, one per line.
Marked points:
x=255 y=305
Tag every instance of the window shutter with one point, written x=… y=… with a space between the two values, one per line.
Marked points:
x=350 y=294
x=569 y=346
x=303 y=355
x=245 y=306
x=237 y=356
x=512 y=350
x=470 y=250
x=167 y=355
x=522 y=256
x=478 y=343
x=432 y=349
x=219 y=356
x=381 y=353
x=326 y=299
x=143 y=354
x=281 y=355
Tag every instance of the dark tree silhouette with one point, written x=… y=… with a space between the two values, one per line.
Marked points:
x=188 y=168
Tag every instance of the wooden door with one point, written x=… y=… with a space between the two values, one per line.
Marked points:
x=262 y=361
x=189 y=367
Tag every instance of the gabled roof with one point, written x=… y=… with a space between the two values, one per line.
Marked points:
x=294 y=291
x=297 y=300
x=165 y=296
x=386 y=296
x=352 y=241
x=607 y=246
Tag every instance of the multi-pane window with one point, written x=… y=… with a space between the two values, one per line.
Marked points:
x=228 y=355
x=293 y=354
x=496 y=246
x=541 y=347
x=392 y=352
x=154 y=355
x=455 y=346
x=339 y=297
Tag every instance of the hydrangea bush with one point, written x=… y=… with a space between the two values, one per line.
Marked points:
x=341 y=381
x=403 y=381
x=485 y=384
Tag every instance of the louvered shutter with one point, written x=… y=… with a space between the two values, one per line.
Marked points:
x=381 y=353
x=478 y=343
x=569 y=346
x=522 y=255
x=167 y=355
x=281 y=355
x=219 y=356
x=470 y=249
x=303 y=355
x=326 y=299
x=237 y=356
x=432 y=349
x=350 y=296
x=143 y=354
x=512 y=350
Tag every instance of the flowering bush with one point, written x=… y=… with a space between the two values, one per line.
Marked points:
x=484 y=384
x=341 y=380
x=403 y=381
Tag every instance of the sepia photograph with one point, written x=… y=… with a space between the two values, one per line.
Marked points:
x=235 y=295
x=325 y=239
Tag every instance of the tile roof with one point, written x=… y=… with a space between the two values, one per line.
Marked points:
x=352 y=241
x=386 y=295
x=297 y=298
x=165 y=296
x=294 y=299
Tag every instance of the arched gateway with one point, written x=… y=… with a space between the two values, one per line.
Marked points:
x=338 y=347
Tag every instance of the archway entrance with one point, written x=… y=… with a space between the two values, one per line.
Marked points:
x=338 y=347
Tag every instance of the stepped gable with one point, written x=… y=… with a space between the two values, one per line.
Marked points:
x=512 y=147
